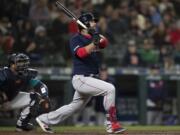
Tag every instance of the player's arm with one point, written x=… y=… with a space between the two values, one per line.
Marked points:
x=40 y=97
x=36 y=85
x=39 y=87
x=83 y=52
x=102 y=43
x=97 y=41
x=79 y=50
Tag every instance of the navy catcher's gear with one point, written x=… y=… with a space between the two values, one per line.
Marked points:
x=40 y=102
x=11 y=84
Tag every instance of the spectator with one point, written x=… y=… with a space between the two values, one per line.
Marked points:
x=164 y=5
x=137 y=23
x=132 y=57
x=173 y=35
x=177 y=54
x=7 y=39
x=159 y=35
x=40 y=45
x=59 y=32
x=155 y=16
x=156 y=95
x=8 y=42
x=165 y=52
x=168 y=18
x=148 y=54
x=108 y=11
x=26 y=35
x=117 y=25
x=39 y=12
x=1 y=40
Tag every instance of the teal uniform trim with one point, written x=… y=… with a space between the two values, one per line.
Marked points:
x=33 y=82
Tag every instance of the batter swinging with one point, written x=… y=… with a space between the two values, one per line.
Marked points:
x=85 y=47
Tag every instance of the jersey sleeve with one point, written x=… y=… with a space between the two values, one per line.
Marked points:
x=75 y=44
x=33 y=82
x=39 y=87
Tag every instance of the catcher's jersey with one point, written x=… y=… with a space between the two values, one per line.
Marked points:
x=11 y=84
x=87 y=65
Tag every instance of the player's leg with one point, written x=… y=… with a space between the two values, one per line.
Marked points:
x=22 y=100
x=95 y=87
x=32 y=109
x=57 y=116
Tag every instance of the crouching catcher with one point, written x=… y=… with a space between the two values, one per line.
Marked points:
x=19 y=88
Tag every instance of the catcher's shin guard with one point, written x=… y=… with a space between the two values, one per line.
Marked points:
x=23 y=121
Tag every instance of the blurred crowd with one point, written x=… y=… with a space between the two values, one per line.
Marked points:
x=141 y=32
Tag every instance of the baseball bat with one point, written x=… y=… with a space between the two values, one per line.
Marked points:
x=70 y=14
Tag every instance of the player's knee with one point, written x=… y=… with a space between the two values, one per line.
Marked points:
x=112 y=88
x=76 y=107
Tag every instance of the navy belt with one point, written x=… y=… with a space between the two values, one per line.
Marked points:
x=91 y=75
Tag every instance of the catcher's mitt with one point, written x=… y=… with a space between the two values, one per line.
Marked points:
x=44 y=105
x=39 y=104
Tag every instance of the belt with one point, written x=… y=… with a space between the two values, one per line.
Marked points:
x=91 y=75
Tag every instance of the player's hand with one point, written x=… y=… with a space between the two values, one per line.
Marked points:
x=96 y=39
x=44 y=105
x=92 y=31
x=95 y=36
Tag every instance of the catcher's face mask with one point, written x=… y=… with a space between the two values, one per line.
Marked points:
x=21 y=62
x=22 y=65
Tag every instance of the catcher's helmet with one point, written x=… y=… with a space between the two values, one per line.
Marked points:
x=21 y=61
x=86 y=18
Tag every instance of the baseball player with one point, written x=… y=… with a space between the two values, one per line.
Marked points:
x=14 y=79
x=85 y=47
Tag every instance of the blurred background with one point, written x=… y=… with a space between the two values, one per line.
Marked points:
x=142 y=59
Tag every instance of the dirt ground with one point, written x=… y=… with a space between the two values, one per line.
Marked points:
x=69 y=133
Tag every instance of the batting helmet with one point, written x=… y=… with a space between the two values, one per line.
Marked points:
x=86 y=18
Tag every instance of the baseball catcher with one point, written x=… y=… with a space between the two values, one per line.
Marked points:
x=15 y=81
